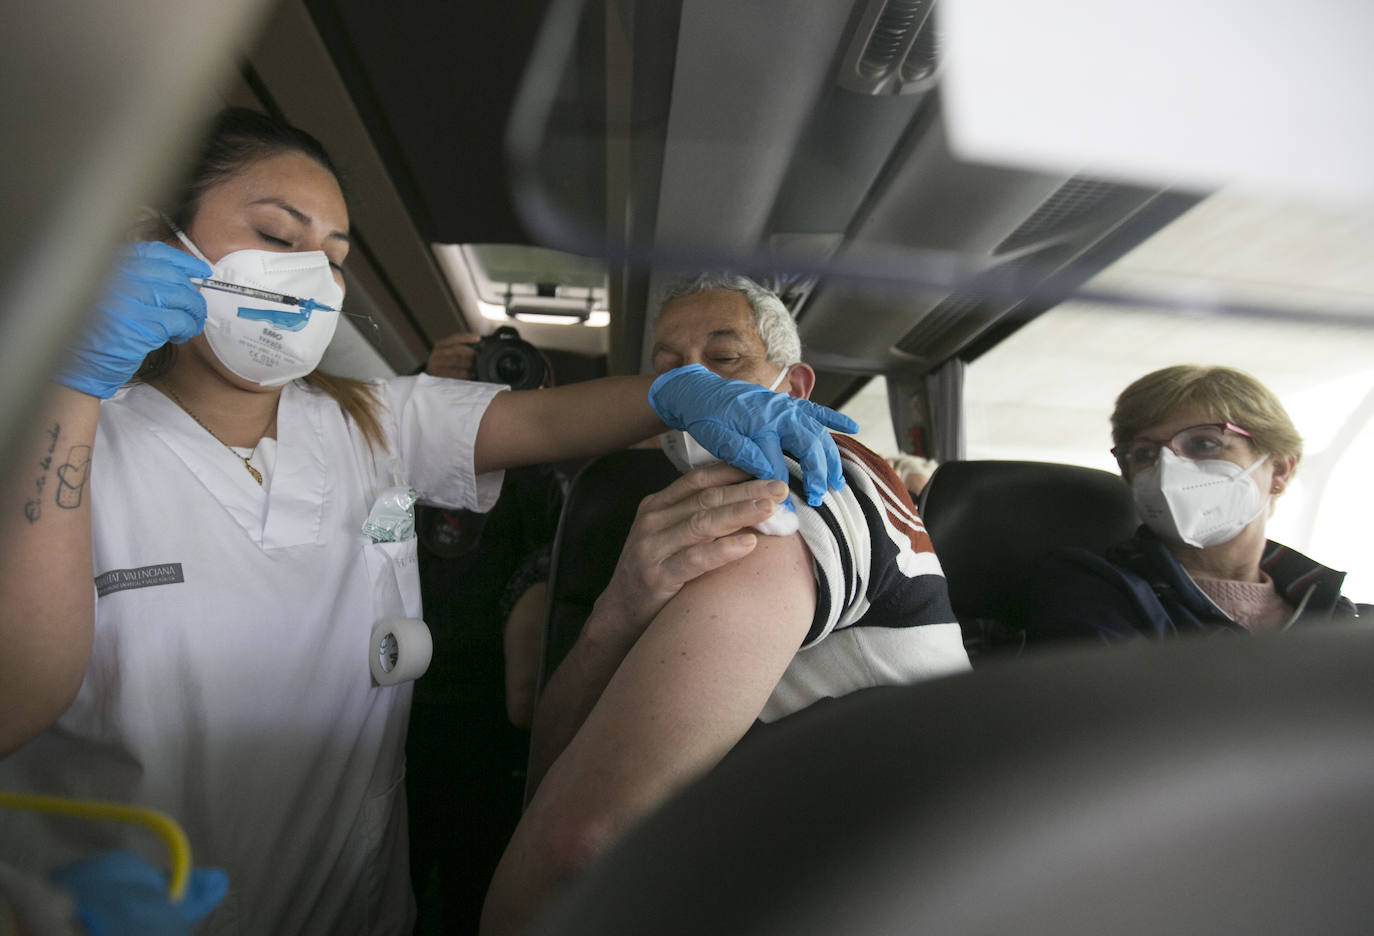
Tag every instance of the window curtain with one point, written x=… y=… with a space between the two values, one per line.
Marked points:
x=944 y=392
x=927 y=411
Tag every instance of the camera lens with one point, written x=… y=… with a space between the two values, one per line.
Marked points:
x=510 y=367
x=502 y=357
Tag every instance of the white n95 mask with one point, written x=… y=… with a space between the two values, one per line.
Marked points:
x=684 y=451
x=1202 y=502
x=687 y=453
x=258 y=338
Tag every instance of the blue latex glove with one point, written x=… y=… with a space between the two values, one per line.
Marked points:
x=148 y=302
x=750 y=426
x=119 y=894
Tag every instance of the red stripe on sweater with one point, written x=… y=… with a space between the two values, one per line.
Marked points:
x=901 y=512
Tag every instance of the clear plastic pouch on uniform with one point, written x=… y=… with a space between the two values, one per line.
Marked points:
x=392 y=518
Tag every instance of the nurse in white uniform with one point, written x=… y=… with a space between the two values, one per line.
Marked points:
x=218 y=670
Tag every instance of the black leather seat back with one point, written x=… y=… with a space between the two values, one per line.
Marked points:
x=1203 y=787
x=597 y=516
x=992 y=521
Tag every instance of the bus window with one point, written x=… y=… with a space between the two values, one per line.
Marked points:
x=868 y=408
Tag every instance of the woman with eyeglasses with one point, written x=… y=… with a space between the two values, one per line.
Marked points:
x=1206 y=451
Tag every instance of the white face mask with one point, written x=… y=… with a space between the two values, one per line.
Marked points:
x=686 y=452
x=268 y=342
x=1201 y=503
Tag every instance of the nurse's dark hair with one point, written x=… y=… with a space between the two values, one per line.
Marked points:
x=237 y=138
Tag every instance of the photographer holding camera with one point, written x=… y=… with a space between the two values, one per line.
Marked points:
x=453 y=356
x=501 y=357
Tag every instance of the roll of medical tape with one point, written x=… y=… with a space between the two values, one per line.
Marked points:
x=400 y=650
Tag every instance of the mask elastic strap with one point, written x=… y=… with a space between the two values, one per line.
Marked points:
x=1266 y=497
x=181 y=235
x=1259 y=461
x=778 y=379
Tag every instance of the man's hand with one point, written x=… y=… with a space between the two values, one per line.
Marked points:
x=698 y=523
x=453 y=356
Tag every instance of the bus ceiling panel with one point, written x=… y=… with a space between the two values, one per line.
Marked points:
x=747 y=141
x=931 y=200
x=747 y=78
x=434 y=84
x=850 y=139
x=298 y=74
x=768 y=144
x=1012 y=235
x=778 y=160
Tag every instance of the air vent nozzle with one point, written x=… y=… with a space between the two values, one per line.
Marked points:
x=895 y=49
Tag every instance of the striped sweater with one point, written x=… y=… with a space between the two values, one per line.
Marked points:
x=882 y=608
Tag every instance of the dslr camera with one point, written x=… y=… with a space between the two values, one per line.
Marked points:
x=504 y=357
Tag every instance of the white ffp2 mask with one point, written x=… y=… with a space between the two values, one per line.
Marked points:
x=687 y=453
x=684 y=451
x=1203 y=502
x=267 y=342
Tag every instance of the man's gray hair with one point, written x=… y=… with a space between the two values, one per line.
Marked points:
x=773 y=322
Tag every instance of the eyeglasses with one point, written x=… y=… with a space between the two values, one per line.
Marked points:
x=1213 y=440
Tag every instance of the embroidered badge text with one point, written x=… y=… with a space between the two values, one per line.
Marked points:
x=115 y=580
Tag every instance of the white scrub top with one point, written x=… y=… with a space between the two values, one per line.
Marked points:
x=229 y=682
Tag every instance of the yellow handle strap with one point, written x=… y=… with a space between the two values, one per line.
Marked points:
x=161 y=825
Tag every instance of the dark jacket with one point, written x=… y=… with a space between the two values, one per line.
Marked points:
x=1139 y=590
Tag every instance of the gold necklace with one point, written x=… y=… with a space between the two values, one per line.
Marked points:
x=257 y=475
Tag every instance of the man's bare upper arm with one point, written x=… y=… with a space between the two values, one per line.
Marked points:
x=691 y=686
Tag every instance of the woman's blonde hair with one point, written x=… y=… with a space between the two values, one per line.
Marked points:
x=238 y=138
x=1224 y=393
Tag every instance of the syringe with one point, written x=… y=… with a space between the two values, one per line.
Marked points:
x=255 y=293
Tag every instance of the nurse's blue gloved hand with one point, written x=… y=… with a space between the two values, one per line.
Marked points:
x=750 y=426
x=119 y=894
x=148 y=302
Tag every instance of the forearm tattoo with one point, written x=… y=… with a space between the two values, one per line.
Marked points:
x=72 y=476
x=33 y=507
